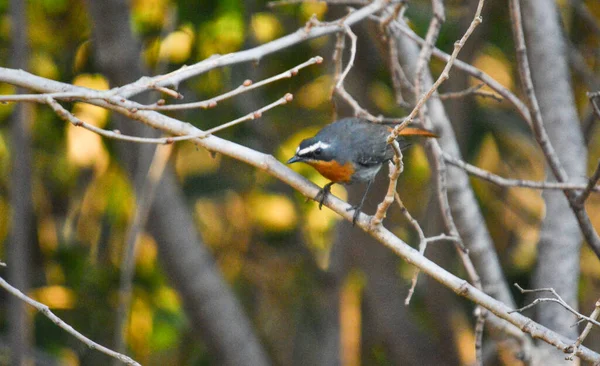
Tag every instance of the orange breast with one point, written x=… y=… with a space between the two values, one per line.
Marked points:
x=334 y=171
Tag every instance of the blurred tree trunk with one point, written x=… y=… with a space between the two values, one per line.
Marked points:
x=210 y=303
x=560 y=239
x=20 y=237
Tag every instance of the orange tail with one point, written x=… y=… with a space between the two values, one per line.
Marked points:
x=413 y=131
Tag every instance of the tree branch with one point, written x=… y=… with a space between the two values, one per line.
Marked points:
x=60 y=323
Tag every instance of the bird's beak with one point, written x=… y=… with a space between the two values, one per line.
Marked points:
x=294 y=159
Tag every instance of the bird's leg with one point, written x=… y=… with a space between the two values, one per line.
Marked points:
x=322 y=195
x=360 y=205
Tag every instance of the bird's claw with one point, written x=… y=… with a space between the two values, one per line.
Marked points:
x=322 y=195
x=356 y=213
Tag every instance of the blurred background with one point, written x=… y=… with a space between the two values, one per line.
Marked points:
x=310 y=288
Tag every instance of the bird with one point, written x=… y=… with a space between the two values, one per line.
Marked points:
x=351 y=150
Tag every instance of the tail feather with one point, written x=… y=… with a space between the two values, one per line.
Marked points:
x=414 y=131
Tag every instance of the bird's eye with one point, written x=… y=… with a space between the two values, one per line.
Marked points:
x=318 y=151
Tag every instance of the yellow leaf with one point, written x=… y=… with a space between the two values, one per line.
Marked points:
x=55 y=297
x=176 y=47
x=273 y=212
x=265 y=27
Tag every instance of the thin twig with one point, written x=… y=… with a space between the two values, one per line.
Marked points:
x=433 y=31
x=585 y=332
x=422 y=245
x=338 y=57
x=591 y=186
x=445 y=73
x=250 y=116
x=144 y=203
x=595 y=107
x=480 y=315
x=399 y=27
x=508 y=182
x=399 y=79
x=353 y=38
x=474 y=90
x=254 y=54
x=69 y=117
x=423 y=99
x=44 y=309
x=558 y=300
x=119 y=96
x=396 y=168
x=272 y=4
x=245 y=87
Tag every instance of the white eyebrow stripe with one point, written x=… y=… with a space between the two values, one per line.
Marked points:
x=313 y=147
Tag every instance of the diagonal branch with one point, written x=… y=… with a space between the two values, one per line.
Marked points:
x=60 y=323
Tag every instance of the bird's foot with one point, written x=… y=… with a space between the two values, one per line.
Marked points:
x=322 y=195
x=356 y=213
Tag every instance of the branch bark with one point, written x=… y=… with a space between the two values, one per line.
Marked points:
x=560 y=239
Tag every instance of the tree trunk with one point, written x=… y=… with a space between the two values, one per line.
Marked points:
x=20 y=237
x=560 y=239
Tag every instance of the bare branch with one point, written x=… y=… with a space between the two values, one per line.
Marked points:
x=59 y=322
x=525 y=71
x=143 y=206
x=69 y=117
x=558 y=300
x=480 y=315
x=507 y=182
x=585 y=332
x=445 y=73
x=422 y=245
x=591 y=186
x=353 y=38
x=273 y=4
x=469 y=69
x=399 y=79
x=425 y=54
x=254 y=54
x=245 y=87
x=474 y=90
x=396 y=169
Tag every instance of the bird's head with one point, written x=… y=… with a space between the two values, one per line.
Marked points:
x=312 y=150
